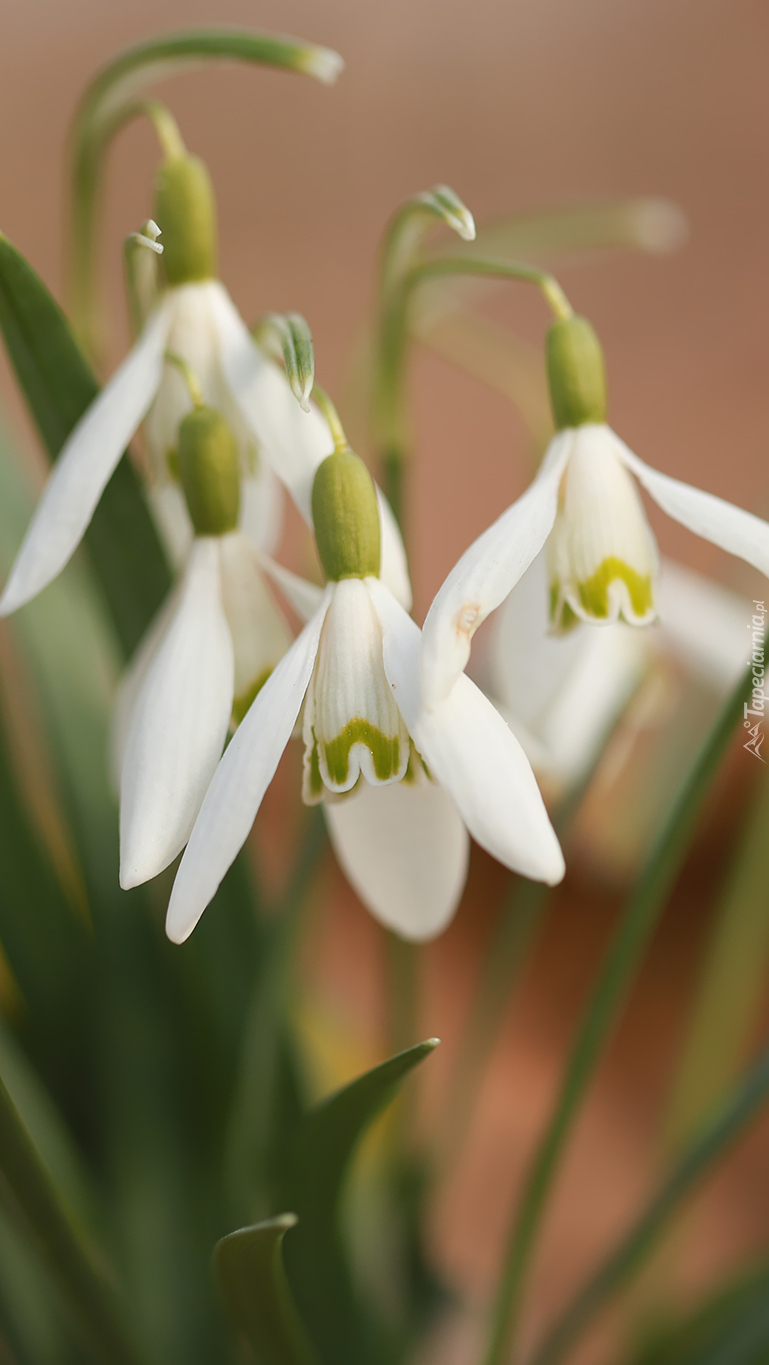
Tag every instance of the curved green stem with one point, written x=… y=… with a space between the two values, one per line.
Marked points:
x=390 y=423
x=742 y=1106
x=112 y=99
x=328 y=408
x=401 y=250
x=617 y=973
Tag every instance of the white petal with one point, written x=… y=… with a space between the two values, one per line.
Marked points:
x=305 y=597
x=132 y=681
x=739 y=533
x=260 y=634
x=295 y=442
x=473 y=754
x=705 y=624
x=404 y=850
x=602 y=555
x=393 y=568
x=486 y=573
x=240 y=781
x=85 y=465
x=172 y=520
x=261 y=509
x=349 y=695
x=178 y=724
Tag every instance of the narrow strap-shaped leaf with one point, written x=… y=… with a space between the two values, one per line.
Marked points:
x=112 y=98
x=627 y=1257
x=28 y=1193
x=315 y=1257
x=58 y=386
x=252 y=1280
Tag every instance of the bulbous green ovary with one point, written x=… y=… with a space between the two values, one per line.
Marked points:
x=594 y=592
x=385 y=751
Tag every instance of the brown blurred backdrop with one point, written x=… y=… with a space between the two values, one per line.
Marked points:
x=518 y=105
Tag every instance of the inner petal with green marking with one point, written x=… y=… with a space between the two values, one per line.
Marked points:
x=601 y=551
x=352 y=726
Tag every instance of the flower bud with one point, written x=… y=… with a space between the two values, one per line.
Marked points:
x=209 y=472
x=186 y=212
x=346 y=517
x=576 y=375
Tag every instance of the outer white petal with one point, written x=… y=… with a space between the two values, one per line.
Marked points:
x=704 y=624
x=295 y=442
x=561 y=694
x=178 y=724
x=393 y=568
x=85 y=465
x=404 y=850
x=260 y=633
x=486 y=573
x=261 y=509
x=172 y=520
x=473 y=754
x=305 y=597
x=240 y=781
x=132 y=681
x=738 y=532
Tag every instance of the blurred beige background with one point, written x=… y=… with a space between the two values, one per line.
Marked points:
x=518 y=105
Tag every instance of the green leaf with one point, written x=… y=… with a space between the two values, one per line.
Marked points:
x=315 y=1254
x=729 y=1327
x=252 y=1281
x=630 y=1253
x=58 y=386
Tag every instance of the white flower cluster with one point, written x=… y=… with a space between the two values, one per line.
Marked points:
x=406 y=753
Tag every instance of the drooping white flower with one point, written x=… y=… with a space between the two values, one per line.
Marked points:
x=401 y=786
x=583 y=503
x=197 y=324
x=211 y=648
x=563 y=694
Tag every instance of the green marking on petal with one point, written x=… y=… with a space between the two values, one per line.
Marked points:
x=385 y=751
x=314 y=779
x=594 y=593
x=241 y=704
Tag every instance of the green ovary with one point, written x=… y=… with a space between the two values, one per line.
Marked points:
x=594 y=592
x=385 y=751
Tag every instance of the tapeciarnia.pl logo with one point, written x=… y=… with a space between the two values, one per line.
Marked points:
x=754 y=709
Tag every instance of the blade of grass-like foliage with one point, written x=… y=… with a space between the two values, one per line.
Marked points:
x=252 y=1282
x=695 y=1163
x=732 y=986
x=28 y=1194
x=729 y=1327
x=58 y=386
x=622 y=960
x=315 y=1257
x=111 y=98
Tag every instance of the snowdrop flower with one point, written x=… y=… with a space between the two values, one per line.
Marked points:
x=401 y=787
x=195 y=321
x=214 y=643
x=584 y=504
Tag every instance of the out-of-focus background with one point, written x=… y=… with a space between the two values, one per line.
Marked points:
x=516 y=106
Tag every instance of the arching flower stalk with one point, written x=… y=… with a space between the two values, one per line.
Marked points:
x=400 y=787
x=584 y=505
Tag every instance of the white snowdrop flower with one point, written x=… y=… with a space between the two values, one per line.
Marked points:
x=196 y=322
x=563 y=694
x=214 y=643
x=401 y=786
x=602 y=557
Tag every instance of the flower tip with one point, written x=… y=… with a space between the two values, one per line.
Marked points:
x=178 y=930
x=466 y=226
x=323 y=63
